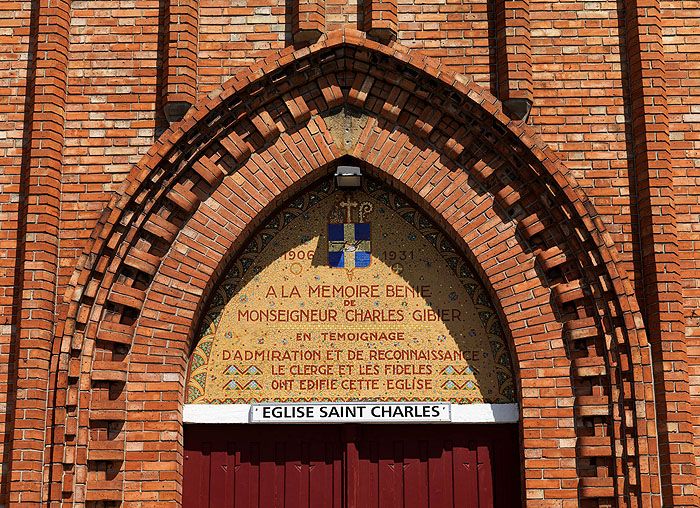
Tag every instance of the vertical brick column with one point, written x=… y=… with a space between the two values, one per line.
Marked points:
x=308 y=20
x=381 y=19
x=39 y=224
x=658 y=236
x=180 y=90
x=13 y=78
x=514 y=59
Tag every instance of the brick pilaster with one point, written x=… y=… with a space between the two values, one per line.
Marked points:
x=381 y=19
x=514 y=59
x=183 y=34
x=39 y=224
x=308 y=20
x=660 y=284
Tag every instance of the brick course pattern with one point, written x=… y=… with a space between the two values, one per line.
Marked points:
x=572 y=221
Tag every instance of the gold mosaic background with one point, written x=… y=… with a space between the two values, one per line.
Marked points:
x=415 y=325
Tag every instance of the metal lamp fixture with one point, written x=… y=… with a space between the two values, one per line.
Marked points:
x=348 y=177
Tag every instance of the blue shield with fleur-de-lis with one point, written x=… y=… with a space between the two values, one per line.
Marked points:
x=349 y=245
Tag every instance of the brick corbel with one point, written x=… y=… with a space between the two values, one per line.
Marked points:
x=514 y=61
x=381 y=19
x=180 y=90
x=308 y=20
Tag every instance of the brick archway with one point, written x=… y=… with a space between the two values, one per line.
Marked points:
x=577 y=338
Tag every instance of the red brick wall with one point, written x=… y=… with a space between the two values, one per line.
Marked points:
x=579 y=105
x=681 y=28
x=14 y=41
x=114 y=113
x=234 y=35
x=110 y=110
x=455 y=33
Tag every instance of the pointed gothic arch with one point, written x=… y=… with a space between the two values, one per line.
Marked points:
x=489 y=182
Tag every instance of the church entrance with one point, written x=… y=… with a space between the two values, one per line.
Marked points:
x=351 y=466
x=350 y=357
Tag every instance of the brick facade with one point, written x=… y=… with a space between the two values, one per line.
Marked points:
x=117 y=218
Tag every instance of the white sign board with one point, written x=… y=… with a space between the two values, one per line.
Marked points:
x=350 y=412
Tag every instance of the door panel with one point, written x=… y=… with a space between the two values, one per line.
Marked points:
x=437 y=466
x=351 y=466
x=251 y=466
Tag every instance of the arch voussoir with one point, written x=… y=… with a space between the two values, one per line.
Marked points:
x=498 y=191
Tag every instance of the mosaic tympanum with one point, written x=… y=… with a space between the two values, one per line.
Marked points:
x=350 y=296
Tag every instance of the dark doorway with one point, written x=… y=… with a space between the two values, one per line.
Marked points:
x=351 y=466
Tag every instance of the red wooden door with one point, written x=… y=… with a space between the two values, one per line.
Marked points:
x=433 y=466
x=259 y=466
x=351 y=466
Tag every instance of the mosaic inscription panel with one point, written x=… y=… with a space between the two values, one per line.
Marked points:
x=350 y=296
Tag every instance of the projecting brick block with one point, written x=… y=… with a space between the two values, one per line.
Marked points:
x=101 y=410
x=581 y=328
x=551 y=258
x=127 y=295
x=597 y=487
x=184 y=198
x=297 y=107
x=360 y=90
x=507 y=196
x=106 y=450
x=105 y=491
x=569 y=292
x=236 y=147
x=590 y=366
x=141 y=260
x=208 y=170
x=266 y=126
x=592 y=405
x=331 y=91
x=108 y=371
x=381 y=19
x=308 y=20
x=161 y=228
x=594 y=446
x=115 y=332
